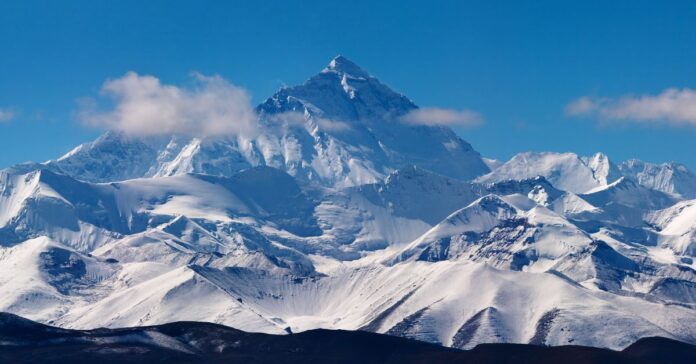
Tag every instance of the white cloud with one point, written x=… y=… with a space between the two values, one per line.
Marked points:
x=581 y=106
x=674 y=106
x=446 y=117
x=292 y=118
x=332 y=125
x=142 y=105
x=6 y=114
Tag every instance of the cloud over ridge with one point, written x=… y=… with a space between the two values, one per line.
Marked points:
x=142 y=105
x=435 y=116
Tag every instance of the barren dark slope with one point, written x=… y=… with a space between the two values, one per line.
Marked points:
x=24 y=341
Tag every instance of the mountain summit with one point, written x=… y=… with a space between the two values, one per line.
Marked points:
x=340 y=128
x=344 y=66
x=342 y=91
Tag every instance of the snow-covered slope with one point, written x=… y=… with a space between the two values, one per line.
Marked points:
x=672 y=177
x=338 y=215
x=577 y=174
x=626 y=202
x=259 y=252
x=114 y=157
x=225 y=244
x=566 y=171
x=511 y=232
x=40 y=278
x=677 y=227
x=408 y=300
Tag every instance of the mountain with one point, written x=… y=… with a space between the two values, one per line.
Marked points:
x=526 y=232
x=340 y=128
x=577 y=174
x=340 y=216
x=343 y=93
x=566 y=171
x=672 y=178
x=258 y=252
x=676 y=226
x=185 y=342
x=115 y=157
x=627 y=202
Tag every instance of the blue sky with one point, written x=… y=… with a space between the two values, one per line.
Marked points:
x=517 y=63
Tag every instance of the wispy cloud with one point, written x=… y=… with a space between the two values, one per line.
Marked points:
x=582 y=106
x=332 y=125
x=142 y=105
x=6 y=114
x=291 y=118
x=434 y=116
x=672 y=106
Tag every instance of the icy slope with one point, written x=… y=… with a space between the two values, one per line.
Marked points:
x=409 y=300
x=677 y=227
x=197 y=214
x=508 y=232
x=186 y=268
x=667 y=177
x=566 y=171
x=41 y=279
x=577 y=174
x=417 y=255
x=625 y=202
x=422 y=300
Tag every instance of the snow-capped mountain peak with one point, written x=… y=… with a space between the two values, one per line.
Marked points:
x=341 y=91
x=578 y=174
x=344 y=67
x=339 y=128
x=666 y=177
x=566 y=171
x=604 y=171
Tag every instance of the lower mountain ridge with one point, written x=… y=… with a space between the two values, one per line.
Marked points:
x=24 y=341
x=418 y=255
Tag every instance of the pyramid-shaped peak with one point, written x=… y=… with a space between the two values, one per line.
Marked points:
x=343 y=65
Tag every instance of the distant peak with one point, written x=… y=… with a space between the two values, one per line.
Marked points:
x=343 y=65
x=599 y=156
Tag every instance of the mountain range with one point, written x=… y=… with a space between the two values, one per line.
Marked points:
x=339 y=214
x=198 y=342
